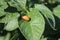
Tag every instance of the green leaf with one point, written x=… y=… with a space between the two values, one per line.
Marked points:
x=33 y=29
x=52 y=1
x=3 y=4
x=47 y=13
x=56 y=11
x=19 y=4
x=2 y=13
x=12 y=25
x=7 y=37
x=1 y=37
x=44 y=38
x=58 y=1
x=9 y=17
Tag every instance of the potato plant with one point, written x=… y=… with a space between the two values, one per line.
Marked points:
x=29 y=19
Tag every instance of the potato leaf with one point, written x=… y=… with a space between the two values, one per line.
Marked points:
x=3 y=4
x=52 y=1
x=57 y=11
x=9 y=17
x=58 y=1
x=2 y=13
x=2 y=37
x=33 y=29
x=12 y=25
x=19 y=4
x=47 y=13
x=7 y=37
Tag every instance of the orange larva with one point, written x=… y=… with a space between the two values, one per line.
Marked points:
x=26 y=18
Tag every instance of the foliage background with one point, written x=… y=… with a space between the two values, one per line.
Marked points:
x=12 y=26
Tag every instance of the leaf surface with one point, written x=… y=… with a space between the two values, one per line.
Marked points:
x=33 y=29
x=56 y=11
x=47 y=13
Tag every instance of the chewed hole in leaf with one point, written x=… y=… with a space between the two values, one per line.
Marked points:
x=11 y=9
